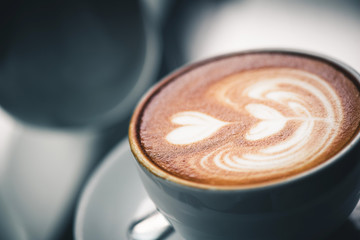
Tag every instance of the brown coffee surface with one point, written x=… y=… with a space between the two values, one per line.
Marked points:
x=248 y=119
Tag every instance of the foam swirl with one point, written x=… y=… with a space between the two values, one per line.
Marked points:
x=289 y=112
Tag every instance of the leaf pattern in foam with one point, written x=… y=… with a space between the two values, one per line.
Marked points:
x=195 y=126
x=272 y=121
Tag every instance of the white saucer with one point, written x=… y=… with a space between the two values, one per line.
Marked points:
x=114 y=197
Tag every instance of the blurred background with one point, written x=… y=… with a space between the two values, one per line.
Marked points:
x=71 y=73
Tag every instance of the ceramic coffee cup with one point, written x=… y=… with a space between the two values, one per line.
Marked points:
x=308 y=205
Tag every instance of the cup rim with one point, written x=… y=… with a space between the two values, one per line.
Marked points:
x=156 y=171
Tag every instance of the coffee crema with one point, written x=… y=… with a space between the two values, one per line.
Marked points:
x=247 y=119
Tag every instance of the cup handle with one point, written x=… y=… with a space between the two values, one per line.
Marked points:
x=152 y=226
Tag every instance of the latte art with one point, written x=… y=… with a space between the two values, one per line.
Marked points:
x=196 y=127
x=301 y=98
x=250 y=126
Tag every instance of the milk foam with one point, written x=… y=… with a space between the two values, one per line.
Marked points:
x=195 y=126
x=269 y=121
x=248 y=119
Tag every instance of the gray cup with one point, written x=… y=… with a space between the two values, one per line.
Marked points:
x=307 y=206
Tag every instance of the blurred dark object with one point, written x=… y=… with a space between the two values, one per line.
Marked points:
x=70 y=63
x=70 y=74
